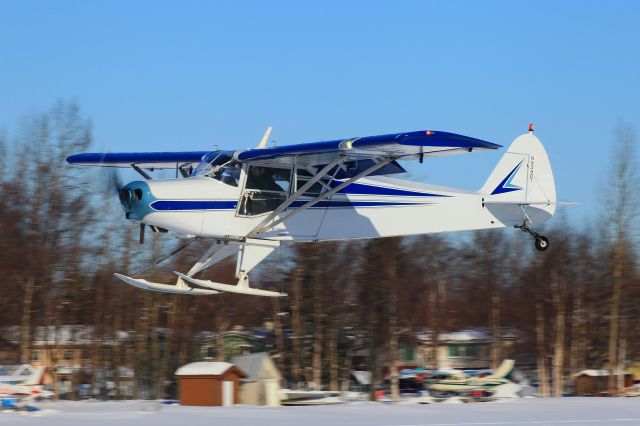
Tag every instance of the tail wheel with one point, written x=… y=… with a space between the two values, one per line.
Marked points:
x=542 y=243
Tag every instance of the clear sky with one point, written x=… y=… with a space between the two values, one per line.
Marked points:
x=185 y=75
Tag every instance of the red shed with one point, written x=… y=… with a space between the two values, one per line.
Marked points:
x=598 y=382
x=209 y=383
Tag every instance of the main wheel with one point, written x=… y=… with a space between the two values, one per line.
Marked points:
x=542 y=243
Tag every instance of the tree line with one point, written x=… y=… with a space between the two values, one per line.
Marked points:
x=62 y=235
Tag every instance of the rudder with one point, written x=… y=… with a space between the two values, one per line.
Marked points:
x=523 y=177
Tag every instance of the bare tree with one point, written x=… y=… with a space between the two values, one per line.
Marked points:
x=558 y=294
x=296 y=324
x=391 y=273
x=622 y=211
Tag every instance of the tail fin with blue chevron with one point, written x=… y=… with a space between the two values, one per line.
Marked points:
x=522 y=182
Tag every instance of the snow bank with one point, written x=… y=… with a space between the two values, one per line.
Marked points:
x=508 y=390
x=520 y=412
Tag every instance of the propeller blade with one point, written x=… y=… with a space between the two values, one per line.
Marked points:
x=142 y=226
x=115 y=183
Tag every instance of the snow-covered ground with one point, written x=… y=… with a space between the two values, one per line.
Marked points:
x=566 y=411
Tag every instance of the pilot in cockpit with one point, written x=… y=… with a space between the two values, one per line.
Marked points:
x=262 y=178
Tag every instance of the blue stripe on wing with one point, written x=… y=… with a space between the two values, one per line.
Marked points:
x=128 y=158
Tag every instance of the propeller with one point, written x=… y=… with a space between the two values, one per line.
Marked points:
x=115 y=182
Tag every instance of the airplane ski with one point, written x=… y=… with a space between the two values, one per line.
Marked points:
x=179 y=288
x=250 y=253
x=241 y=288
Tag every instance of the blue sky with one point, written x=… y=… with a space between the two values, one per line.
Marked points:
x=158 y=75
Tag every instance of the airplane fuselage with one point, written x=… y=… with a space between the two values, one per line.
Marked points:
x=371 y=208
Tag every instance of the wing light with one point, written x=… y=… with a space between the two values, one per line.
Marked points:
x=346 y=144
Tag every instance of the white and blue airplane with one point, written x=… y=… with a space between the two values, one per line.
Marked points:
x=250 y=201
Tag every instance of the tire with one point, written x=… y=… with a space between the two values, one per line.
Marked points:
x=542 y=243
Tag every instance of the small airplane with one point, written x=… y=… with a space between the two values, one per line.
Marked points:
x=249 y=201
x=460 y=381
x=25 y=382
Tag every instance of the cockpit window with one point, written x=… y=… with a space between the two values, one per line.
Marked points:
x=220 y=167
x=229 y=174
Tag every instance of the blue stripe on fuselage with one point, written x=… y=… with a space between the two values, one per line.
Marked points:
x=332 y=204
x=172 y=205
x=182 y=205
x=363 y=189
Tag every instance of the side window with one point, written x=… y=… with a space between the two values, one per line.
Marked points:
x=67 y=355
x=266 y=188
x=268 y=179
x=315 y=190
x=229 y=175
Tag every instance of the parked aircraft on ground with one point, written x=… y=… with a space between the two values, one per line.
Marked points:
x=23 y=381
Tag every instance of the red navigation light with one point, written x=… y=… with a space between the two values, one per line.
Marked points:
x=429 y=132
x=531 y=127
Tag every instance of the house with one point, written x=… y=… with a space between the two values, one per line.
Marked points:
x=262 y=384
x=209 y=383
x=67 y=353
x=465 y=349
x=236 y=341
x=598 y=382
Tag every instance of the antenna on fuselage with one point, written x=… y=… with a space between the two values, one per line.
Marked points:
x=265 y=139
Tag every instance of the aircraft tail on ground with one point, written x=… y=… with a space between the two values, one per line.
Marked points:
x=522 y=182
x=503 y=370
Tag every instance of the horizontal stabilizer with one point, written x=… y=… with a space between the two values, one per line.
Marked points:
x=165 y=288
x=531 y=203
x=241 y=288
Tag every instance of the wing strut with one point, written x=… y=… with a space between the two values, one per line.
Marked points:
x=262 y=228
x=337 y=162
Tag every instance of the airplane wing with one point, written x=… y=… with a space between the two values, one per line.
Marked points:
x=363 y=151
x=148 y=160
x=358 y=153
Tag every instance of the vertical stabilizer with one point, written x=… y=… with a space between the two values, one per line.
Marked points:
x=36 y=377
x=523 y=177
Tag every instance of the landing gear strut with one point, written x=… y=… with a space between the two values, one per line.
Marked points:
x=542 y=242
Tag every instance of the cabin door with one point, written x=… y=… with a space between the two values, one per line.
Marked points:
x=265 y=189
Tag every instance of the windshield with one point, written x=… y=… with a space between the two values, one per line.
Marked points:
x=220 y=167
